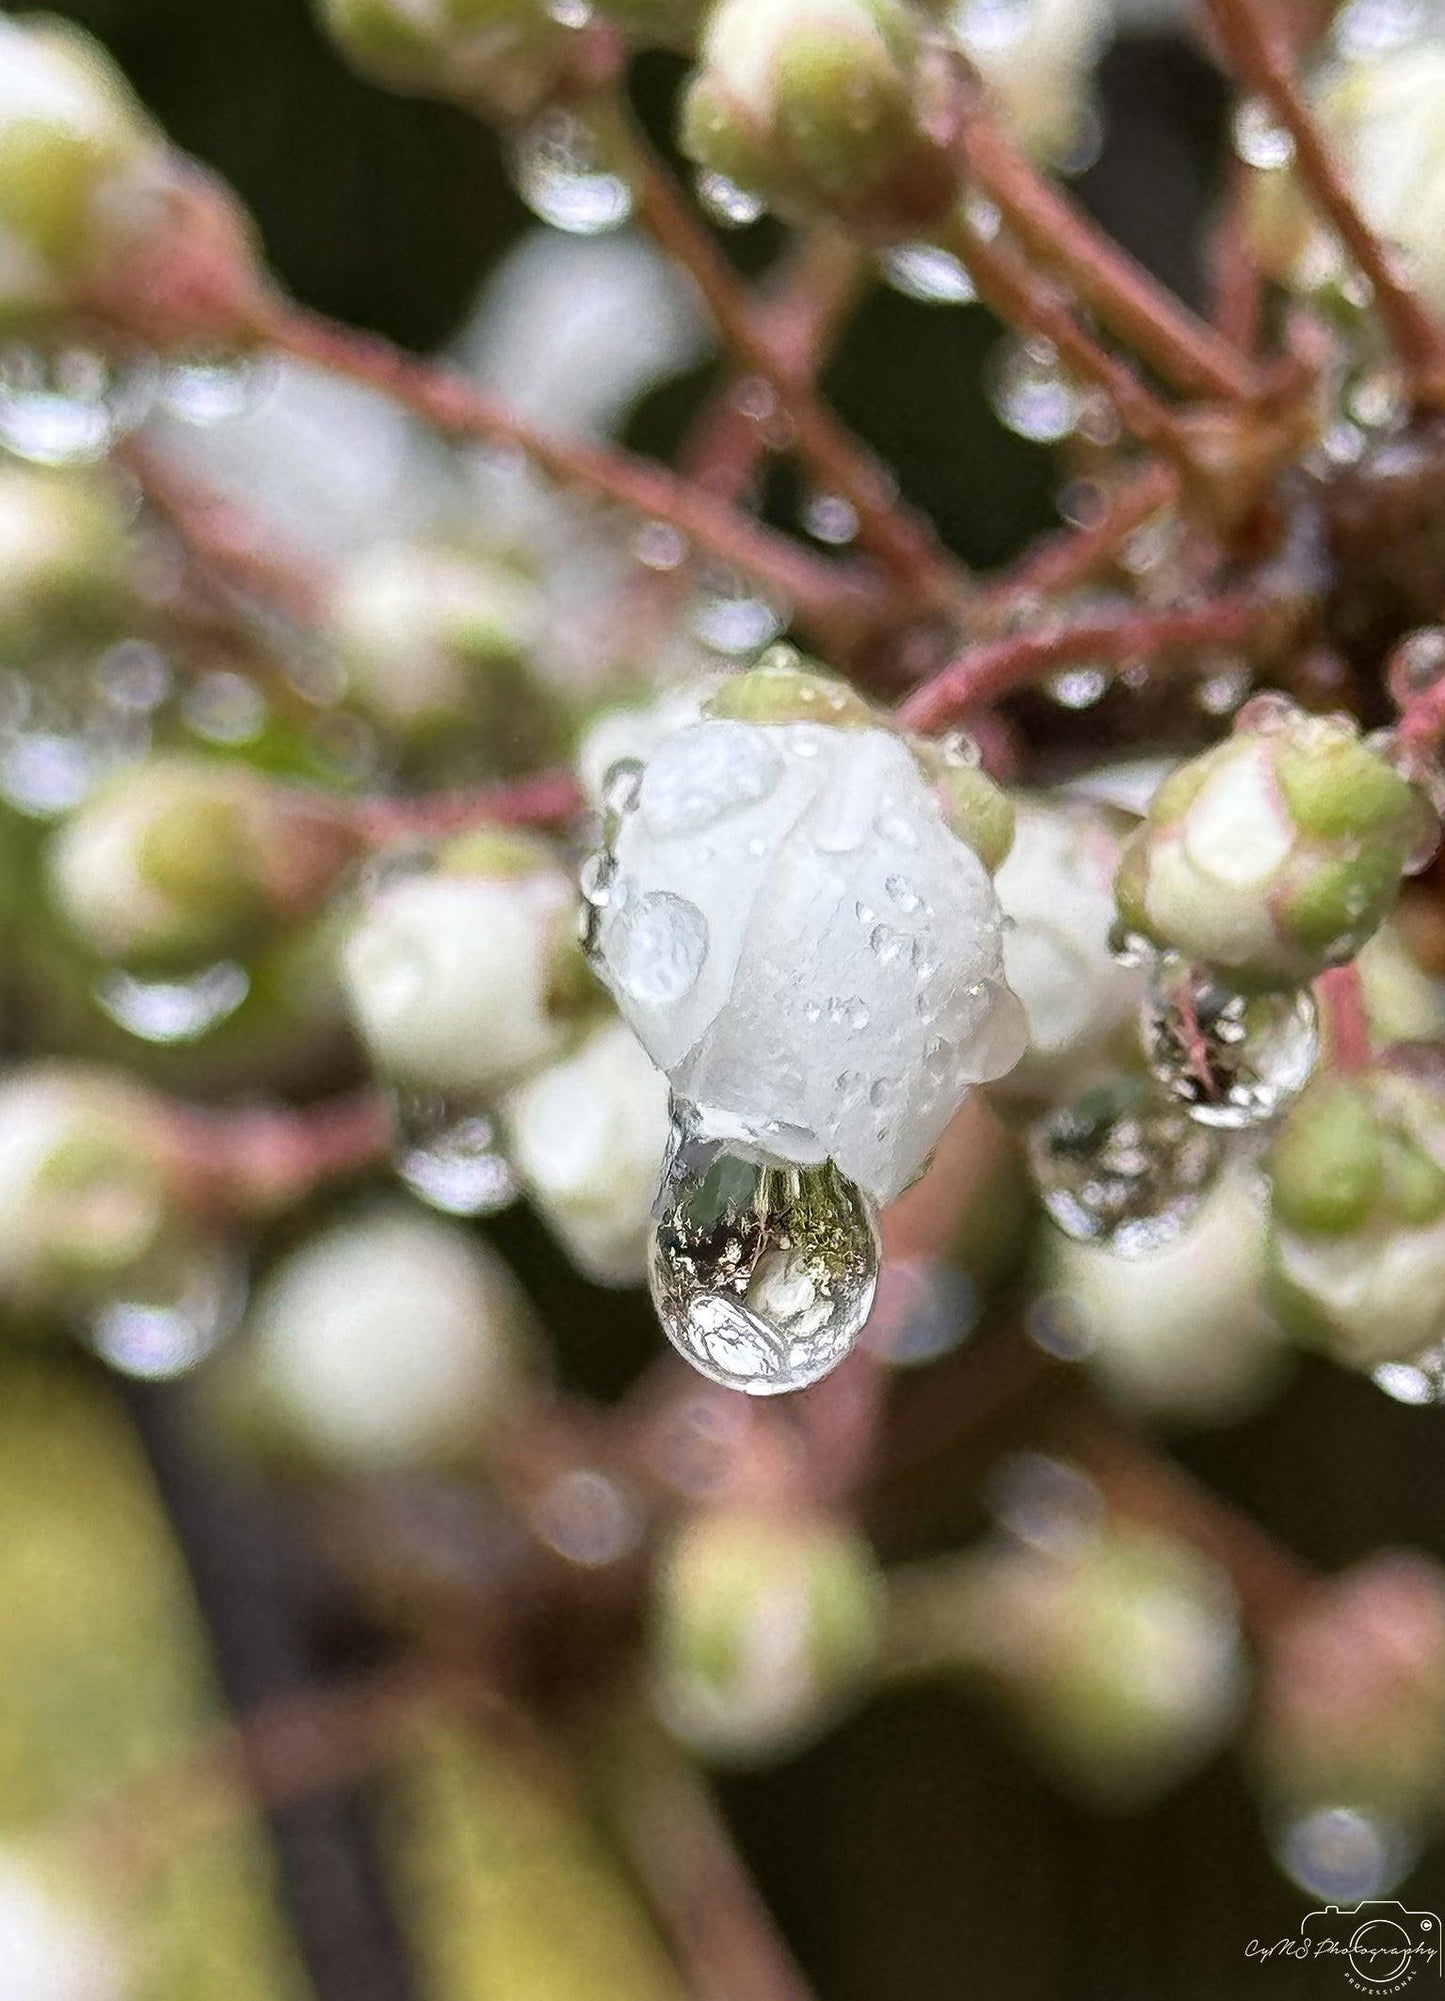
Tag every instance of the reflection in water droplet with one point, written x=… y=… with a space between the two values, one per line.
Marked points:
x=213 y=386
x=167 y=1011
x=448 y=1155
x=44 y=772
x=656 y=947
x=726 y=202
x=921 y=271
x=1419 y=1381
x=1233 y=1059
x=829 y=518
x=1341 y=1853
x=1259 y=138
x=1078 y=687
x=730 y=617
x=1123 y=1169
x=562 y=172
x=67 y=405
x=762 y=1272
x=1030 y=393
x=172 y=1317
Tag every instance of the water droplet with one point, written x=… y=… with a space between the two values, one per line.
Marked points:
x=621 y=783
x=1221 y=691
x=133 y=676
x=1123 y=1169
x=570 y=13
x=730 y=617
x=562 y=171
x=657 y=545
x=1366 y=28
x=213 y=386
x=67 y=405
x=224 y=707
x=726 y=202
x=45 y=772
x=1338 y=1852
x=174 y=1314
x=1259 y=138
x=1417 y=666
x=703 y=775
x=922 y=271
x=1044 y=1502
x=1233 y=1059
x=1030 y=393
x=829 y=518
x=762 y=1272
x=1419 y=1381
x=903 y=893
x=447 y=1153
x=167 y=1011
x=1078 y=687
x=587 y=1518
x=656 y=946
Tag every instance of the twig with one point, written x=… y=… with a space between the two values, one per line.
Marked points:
x=1262 y=55
x=1343 y=996
x=547 y=799
x=260 y=1162
x=1064 y=560
x=999 y=666
x=835 y=604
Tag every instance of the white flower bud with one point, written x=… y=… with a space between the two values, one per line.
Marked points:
x=1056 y=885
x=466 y=978
x=586 y=1136
x=85 y=1192
x=801 y=941
x=764 y=1627
x=63 y=557
x=500 y=56
x=392 y=1339
x=1185 y=1334
x=631 y=732
x=1037 y=59
x=51 y=1947
x=429 y=634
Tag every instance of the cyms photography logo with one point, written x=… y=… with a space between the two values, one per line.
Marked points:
x=1379 y=1947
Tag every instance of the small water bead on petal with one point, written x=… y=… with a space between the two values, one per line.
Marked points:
x=447 y=1152
x=726 y=203
x=732 y=618
x=708 y=775
x=1122 y=1169
x=562 y=171
x=1232 y=1059
x=656 y=947
x=213 y=386
x=68 y=405
x=922 y=271
x=762 y=1271
x=1030 y=393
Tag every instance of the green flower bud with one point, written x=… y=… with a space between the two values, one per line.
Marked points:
x=1275 y=854
x=821 y=104
x=763 y=1628
x=1037 y=61
x=1357 y=1232
x=64 y=558
x=181 y=860
x=500 y=56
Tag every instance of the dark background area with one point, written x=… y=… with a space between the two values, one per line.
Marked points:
x=913 y=1856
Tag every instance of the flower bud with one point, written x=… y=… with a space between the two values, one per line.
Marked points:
x=630 y=732
x=1119 y=1652
x=1352 y=1699
x=586 y=1136
x=1275 y=854
x=180 y=860
x=391 y=1339
x=431 y=637
x=1184 y=1335
x=822 y=104
x=468 y=976
x=97 y=211
x=497 y=56
x=1036 y=58
x=799 y=935
x=1381 y=116
x=1056 y=888
x=764 y=1627
x=63 y=558
x=87 y=1193
x=1357 y=1218
x=53 y=1947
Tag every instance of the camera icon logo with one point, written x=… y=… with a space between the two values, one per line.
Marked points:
x=1380 y=1946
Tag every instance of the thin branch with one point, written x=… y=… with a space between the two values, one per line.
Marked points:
x=253 y=1162
x=545 y=799
x=1237 y=282
x=828 y=600
x=999 y=666
x=1343 y=996
x=1261 y=53
x=1062 y=561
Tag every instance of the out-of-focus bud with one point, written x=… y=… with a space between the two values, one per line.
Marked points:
x=53 y=1946
x=1382 y=118
x=1357 y=1219
x=432 y=638
x=587 y=1137
x=1275 y=854
x=97 y=211
x=86 y=1194
x=1057 y=889
x=823 y=104
x=63 y=558
x=468 y=976
x=1403 y=1001
x=1185 y=1335
x=1350 y=1734
x=392 y=1339
x=180 y=860
x=764 y=1628
x=501 y=57
x=1037 y=60
x=1119 y=1652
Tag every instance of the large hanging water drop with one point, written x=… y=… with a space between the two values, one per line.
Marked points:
x=1233 y=1059
x=1123 y=1169
x=562 y=171
x=762 y=1271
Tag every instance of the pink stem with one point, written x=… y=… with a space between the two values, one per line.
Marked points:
x=1342 y=996
x=548 y=799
